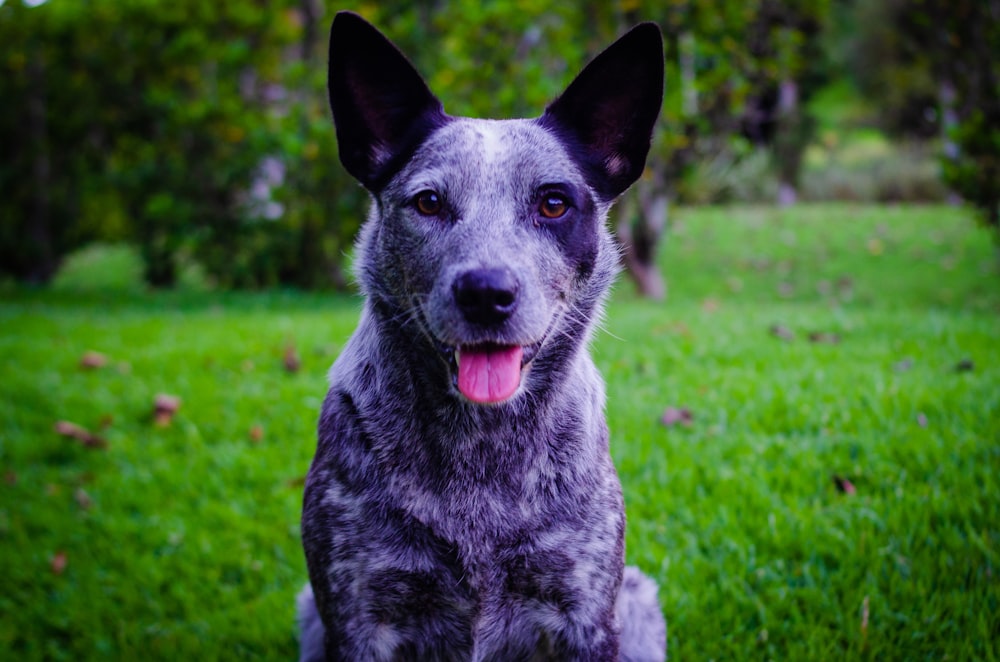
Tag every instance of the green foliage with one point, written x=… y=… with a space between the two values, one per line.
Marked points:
x=975 y=171
x=181 y=541
x=151 y=122
x=930 y=65
x=891 y=60
x=201 y=132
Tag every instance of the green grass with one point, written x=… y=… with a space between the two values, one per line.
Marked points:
x=181 y=542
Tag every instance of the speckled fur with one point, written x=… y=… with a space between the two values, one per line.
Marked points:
x=436 y=528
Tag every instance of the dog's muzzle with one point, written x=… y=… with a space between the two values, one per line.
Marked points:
x=487 y=371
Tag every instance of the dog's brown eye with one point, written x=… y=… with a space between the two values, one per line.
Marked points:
x=553 y=206
x=428 y=203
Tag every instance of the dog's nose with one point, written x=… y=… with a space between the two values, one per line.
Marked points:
x=486 y=296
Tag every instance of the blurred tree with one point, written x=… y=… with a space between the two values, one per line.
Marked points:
x=181 y=126
x=201 y=130
x=730 y=63
x=966 y=47
x=931 y=65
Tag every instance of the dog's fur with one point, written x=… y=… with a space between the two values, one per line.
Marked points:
x=445 y=520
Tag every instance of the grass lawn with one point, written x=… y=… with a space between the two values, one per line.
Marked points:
x=829 y=488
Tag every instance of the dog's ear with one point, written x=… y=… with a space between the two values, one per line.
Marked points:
x=607 y=113
x=381 y=106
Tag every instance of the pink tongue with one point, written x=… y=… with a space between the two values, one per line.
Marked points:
x=489 y=374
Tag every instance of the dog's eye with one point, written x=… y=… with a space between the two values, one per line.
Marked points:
x=553 y=205
x=428 y=203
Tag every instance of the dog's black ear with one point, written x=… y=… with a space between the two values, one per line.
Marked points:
x=381 y=106
x=607 y=113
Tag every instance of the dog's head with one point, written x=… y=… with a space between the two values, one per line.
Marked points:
x=490 y=234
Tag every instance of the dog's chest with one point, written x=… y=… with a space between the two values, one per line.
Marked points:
x=530 y=561
x=490 y=552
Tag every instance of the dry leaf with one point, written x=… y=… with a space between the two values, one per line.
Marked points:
x=92 y=360
x=824 y=338
x=845 y=287
x=864 y=617
x=164 y=408
x=58 y=563
x=292 y=361
x=256 y=434
x=81 y=434
x=83 y=499
x=903 y=366
x=783 y=332
x=677 y=416
x=844 y=486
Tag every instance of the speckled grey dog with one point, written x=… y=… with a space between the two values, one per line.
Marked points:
x=462 y=504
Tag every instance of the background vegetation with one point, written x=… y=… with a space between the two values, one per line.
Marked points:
x=199 y=132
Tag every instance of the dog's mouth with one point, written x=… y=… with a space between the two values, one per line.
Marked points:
x=488 y=373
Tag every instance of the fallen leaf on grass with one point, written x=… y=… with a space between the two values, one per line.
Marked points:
x=92 y=360
x=677 y=416
x=845 y=287
x=844 y=486
x=164 y=408
x=965 y=365
x=296 y=482
x=903 y=366
x=783 y=332
x=83 y=499
x=824 y=338
x=292 y=360
x=80 y=433
x=10 y=477
x=864 y=619
x=58 y=563
x=256 y=434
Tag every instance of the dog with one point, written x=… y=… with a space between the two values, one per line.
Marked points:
x=462 y=503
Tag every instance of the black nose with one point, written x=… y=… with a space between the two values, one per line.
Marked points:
x=486 y=296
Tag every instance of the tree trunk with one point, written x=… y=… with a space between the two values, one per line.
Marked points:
x=310 y=32
x=789 y=143
x=158 y=257
x=39 y=227
x=642 y=219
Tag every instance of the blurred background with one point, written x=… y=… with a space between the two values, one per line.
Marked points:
x=192 y=142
